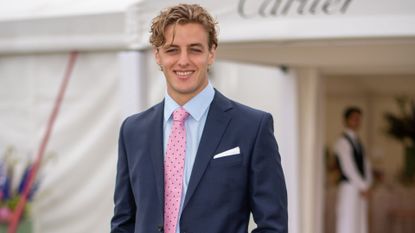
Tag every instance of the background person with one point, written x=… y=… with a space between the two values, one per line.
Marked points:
x=356 y=177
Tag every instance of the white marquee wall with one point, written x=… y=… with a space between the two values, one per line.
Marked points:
x=76 y=188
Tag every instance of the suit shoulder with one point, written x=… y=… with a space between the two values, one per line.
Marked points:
x=248 y=111
x=239 y=110
x=144 y=115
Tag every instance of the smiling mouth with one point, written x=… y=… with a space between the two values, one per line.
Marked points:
x=183 y=74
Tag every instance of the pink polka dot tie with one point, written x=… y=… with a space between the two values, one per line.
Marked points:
x=173 y=170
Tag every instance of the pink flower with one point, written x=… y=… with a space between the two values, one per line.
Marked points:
x=5 y=215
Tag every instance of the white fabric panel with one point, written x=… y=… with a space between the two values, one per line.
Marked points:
x=287 y=132
x=133 y=83
x=271 y=90
x=311 y=125
x=77 y=185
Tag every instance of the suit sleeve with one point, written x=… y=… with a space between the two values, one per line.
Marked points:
x=268 y=194
x=125 y=208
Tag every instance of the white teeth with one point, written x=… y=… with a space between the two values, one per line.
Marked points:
x=184 y=73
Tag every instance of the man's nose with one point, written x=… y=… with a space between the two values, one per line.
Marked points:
x=184 y=59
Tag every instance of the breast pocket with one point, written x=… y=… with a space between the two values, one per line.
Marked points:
x=231 y=160
x=226 y=174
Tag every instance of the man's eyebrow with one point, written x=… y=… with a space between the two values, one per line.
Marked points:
x=177 y=46
x=170 y=46
x=196 y=45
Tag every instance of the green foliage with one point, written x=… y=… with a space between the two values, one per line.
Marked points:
x=402 y=126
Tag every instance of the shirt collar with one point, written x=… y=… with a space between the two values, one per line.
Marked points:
x=351 y=133
x=196 y=106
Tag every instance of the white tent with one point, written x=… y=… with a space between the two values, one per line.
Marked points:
x=115 y=76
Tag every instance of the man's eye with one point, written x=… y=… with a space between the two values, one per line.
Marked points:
x=171 y=50
x=196 y=50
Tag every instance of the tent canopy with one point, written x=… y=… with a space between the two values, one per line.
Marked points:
x=348 y=33
x=33 y=9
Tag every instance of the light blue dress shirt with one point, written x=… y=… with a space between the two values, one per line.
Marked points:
x=198 y=108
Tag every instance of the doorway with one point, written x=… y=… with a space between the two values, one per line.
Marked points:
x=391 y=205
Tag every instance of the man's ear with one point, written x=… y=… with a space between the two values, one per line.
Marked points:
x=212 y=55
x=156 y=54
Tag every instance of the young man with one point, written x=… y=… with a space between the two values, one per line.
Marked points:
x=196 y=162
x=356 y=177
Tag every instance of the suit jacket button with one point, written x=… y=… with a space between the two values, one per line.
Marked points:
x=160 y=228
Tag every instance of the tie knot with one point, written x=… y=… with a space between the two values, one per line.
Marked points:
x=180 y=114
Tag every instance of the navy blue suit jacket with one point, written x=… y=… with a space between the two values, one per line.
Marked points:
x=222 y=192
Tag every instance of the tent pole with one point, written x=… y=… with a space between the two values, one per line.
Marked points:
x=15 y=219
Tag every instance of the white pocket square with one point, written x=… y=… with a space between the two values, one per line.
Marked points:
x=233 y=151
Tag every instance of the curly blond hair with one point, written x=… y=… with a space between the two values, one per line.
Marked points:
x=183 y=14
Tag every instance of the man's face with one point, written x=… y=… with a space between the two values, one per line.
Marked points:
x=353 y=121
x=185 y=60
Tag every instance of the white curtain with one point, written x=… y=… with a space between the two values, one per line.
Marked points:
x=77 y=181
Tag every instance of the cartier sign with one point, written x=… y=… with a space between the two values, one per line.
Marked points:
x=275 y=8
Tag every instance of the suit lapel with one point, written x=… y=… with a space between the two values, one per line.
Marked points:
x=216 y=124
x=155 y=132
